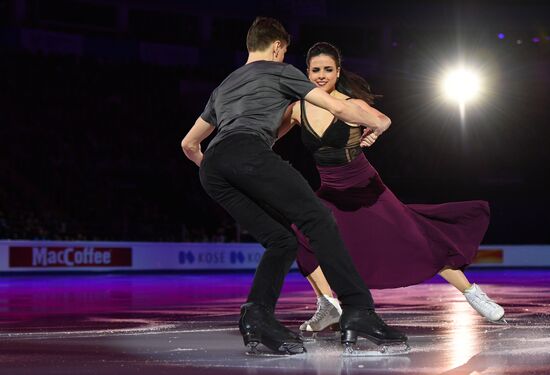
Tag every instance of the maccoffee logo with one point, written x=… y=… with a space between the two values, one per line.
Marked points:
x=69 y=257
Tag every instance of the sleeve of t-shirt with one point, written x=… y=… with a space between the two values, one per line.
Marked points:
x=209 y=113
x=294 y=83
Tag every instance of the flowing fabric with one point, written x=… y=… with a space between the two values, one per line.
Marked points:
x=393 y=244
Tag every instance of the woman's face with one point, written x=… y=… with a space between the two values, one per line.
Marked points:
x=323 y=72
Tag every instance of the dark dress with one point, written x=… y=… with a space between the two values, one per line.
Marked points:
x=391 y=243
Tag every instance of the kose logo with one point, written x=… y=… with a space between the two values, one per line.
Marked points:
x=69 y=257
x=202 y=257
x=217 y=257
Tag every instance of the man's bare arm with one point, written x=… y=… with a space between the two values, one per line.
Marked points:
x=350 y=112
x=191 y=143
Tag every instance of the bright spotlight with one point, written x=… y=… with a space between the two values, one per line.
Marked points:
x=461 y=85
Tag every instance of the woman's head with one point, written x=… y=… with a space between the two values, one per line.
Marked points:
x=324 y=68
x=323 y=65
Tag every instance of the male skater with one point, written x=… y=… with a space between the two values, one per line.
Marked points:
x=265 y=194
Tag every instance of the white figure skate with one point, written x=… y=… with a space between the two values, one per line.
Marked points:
x=485 y=306
x=327 y=316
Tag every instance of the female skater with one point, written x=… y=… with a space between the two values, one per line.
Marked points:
x=406 y=244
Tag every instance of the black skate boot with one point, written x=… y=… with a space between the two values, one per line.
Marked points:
x=258 y=325
x=357 y=322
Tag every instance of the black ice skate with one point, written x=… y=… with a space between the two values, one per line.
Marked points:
x=366 y=323
x=258 y=325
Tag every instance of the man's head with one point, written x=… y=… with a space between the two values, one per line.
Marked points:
x=268 y=34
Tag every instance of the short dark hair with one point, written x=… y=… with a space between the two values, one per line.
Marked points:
x=263 y=32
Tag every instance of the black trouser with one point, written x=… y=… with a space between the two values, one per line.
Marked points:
x=264 y=194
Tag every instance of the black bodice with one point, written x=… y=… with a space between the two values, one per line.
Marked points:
x=338 y=145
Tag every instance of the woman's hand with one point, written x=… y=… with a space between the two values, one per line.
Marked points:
x=368 y=138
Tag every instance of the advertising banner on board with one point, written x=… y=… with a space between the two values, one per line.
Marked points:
x=78 y=256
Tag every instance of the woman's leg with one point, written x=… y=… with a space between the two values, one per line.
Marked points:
x=328 y=308
x=456 y=278
x=475 y=296
x=319 y=283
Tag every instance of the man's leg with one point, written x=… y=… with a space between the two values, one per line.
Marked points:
x=277 y=238
x=257 y=323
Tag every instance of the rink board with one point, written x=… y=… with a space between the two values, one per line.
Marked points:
x=75 y=256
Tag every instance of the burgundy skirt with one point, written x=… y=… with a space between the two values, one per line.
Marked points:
x=394 y=244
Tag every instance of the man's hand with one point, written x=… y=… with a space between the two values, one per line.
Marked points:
x=368 y=138
x=191 y=144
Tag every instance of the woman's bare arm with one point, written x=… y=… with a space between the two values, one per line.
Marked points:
x=290 y=118
x=348 y=111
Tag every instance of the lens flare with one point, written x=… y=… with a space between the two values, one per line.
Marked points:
x=461 y=85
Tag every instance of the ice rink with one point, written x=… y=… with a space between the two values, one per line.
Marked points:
x=187 y=324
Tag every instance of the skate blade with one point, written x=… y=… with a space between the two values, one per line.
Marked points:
x=501 y=321
x=355 y=350
x=326 y=335
x=331 y=328
x=285 y=350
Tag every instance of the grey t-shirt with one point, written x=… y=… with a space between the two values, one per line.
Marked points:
x=253 y=100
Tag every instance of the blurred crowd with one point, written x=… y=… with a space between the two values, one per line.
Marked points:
x=90 y=150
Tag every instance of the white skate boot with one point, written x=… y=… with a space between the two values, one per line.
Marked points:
x=485 y=306
x=327 y=315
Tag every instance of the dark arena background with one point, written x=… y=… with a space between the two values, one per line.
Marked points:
x=114 y=260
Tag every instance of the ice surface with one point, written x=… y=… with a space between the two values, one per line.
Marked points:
x=187 y=324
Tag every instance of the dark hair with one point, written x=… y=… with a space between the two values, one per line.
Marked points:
x=263 y=32
x=349 y=83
